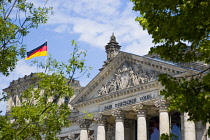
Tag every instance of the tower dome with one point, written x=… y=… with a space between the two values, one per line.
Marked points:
x=112 y=48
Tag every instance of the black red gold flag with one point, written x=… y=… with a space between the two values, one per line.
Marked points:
x=39 y=51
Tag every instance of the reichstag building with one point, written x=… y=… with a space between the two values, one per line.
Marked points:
x=124 y=98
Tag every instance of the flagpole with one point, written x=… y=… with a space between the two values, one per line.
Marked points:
x=37 y=70
x=46 y=58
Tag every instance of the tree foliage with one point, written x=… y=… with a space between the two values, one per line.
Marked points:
x=181 y=31
x=17 y=17
x=165 y=136
x=39 y=115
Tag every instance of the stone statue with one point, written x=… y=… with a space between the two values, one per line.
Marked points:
x=112 y=86
x=128 y=75
x=103 y=90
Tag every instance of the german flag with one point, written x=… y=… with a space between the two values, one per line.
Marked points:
x=39 y=51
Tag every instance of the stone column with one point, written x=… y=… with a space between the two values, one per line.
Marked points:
x=141 y=122
x=189 y=128
x=119 y=126
x=84 y=125
x=100 y=127
x=163 y=116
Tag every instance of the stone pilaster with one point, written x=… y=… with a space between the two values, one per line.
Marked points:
x=141 y=122
x=163 y=116
x=84 y=125
x=119 y=125
x=189 y=128
x=100 y=119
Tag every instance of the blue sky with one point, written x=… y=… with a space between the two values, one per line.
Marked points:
x=90 y=23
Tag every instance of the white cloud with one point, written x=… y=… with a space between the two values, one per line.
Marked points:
x=62 y=28
x=94 y=21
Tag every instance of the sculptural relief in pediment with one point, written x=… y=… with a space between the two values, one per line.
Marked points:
x=128 y=75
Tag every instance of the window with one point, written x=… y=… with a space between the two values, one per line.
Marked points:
x=55 y=100
x=14 y=100
x=66 y=100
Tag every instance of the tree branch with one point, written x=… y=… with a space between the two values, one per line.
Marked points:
x=10 y=10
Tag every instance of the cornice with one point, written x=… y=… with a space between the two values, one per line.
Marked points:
x=154 y=64
x=116 y=62
x=21 y=83
x=118 y=93
x=161 y=66
x=99 y=78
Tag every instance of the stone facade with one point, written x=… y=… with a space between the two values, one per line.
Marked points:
x=125 y=101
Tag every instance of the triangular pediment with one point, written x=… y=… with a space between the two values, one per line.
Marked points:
x=126 y=71
x=128 y=74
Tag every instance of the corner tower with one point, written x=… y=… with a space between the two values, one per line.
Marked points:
x=112 y=49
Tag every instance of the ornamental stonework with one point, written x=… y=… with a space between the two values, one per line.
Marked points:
x=84 y=123
x=162 y=104
x=100 y=119
x=119 y=115
x=128 y=75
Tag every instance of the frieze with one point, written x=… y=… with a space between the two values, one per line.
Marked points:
x=128 y=75
x=129 y=101
x=139 y=89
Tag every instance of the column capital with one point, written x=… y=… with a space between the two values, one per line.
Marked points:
x=162 y=104
x=84 y=123
x=140 y=110
x=118 y=114
x=138 y=107
x=71 y=136
x=100 y=119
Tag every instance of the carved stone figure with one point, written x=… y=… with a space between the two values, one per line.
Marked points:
x=128 y=75
x=118 y=82
x=103 y=90
x=112 y=86
x=133 y=78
